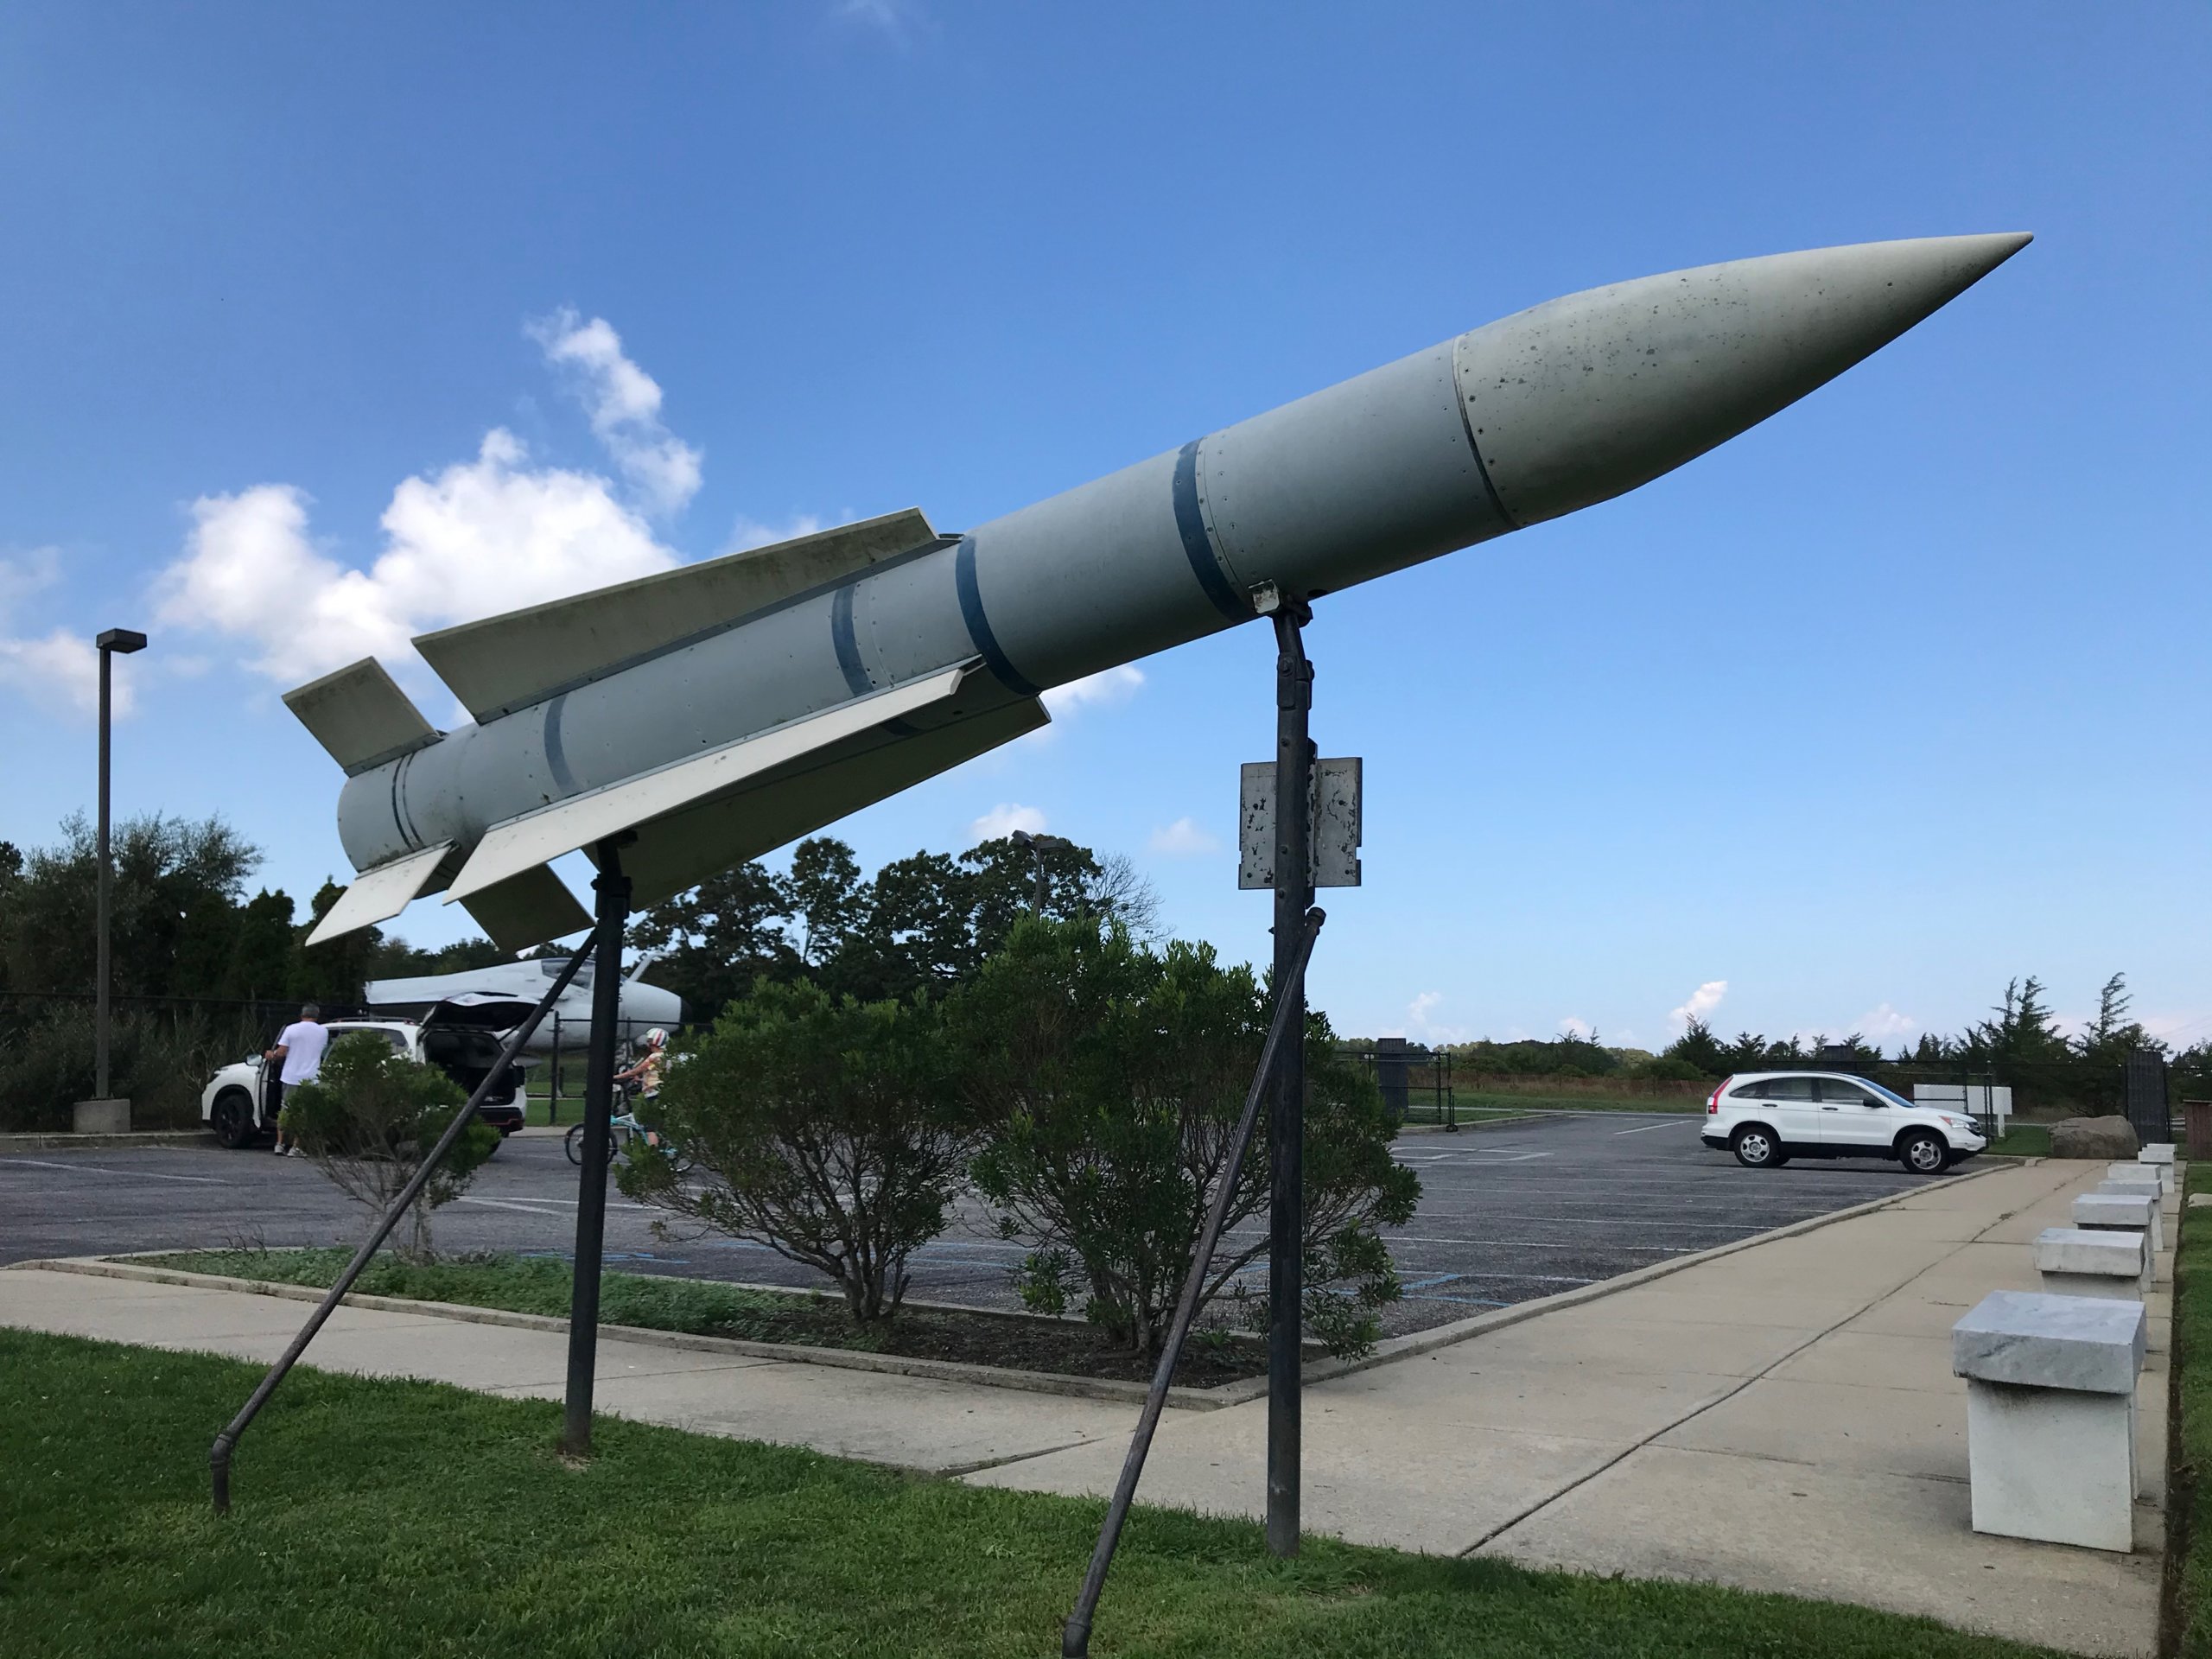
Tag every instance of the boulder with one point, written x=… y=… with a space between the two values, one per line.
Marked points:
x=2093 y=1137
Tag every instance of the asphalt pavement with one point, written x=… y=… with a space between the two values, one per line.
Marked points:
x=1509 y=1212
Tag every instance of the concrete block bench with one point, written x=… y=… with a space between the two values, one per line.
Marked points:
x=2051 y=1415
x=2159 y=1157
x=2083 y=1262
x=2128 y=1211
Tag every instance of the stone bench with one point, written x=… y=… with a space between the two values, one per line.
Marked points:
x=2160 y=1158
x=2084 y=1261
x=2130 y=1211
x=2051 y=1415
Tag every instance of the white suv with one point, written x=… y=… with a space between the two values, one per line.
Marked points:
x=1766 y=1118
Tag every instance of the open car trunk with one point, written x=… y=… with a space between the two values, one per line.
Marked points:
x=462 y=1036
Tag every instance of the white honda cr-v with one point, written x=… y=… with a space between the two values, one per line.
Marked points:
x=1766 y=1118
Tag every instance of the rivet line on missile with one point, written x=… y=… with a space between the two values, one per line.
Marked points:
x=979 y=625
x=1197 y=545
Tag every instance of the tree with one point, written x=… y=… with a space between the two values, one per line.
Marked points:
x=264 y=950
x=1699 y=1047
x=826 y=897
x=176 y=886
x=715 y=941
x=829 y=1130
x=2112 y=1037
x=337 y=971
x=2025 y=1030
x=370 y=1119
x=1116 y=1076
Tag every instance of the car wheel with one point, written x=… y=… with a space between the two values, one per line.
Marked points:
x=1924 y=1153
x=232 y=1118
x=1757 y=1148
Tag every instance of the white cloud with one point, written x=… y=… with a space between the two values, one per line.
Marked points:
x=894 y=18
x=624 y=403
x=1004 y=819
x=751 y=532
x=1572 y=1025
x=1103 y=689
x=1702 y=1002
x=1419 y=1025
x=60 y=669
x=1183 y=839
x=480 y=538
x=1885 y=1024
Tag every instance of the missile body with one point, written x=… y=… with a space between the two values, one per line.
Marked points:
x=1552 y=410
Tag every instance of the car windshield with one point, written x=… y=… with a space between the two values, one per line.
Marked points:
x=1889 y=1095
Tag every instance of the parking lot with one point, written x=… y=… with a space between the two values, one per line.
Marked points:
x=1508 y=1213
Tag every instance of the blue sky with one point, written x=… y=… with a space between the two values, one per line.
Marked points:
x=1897 y=695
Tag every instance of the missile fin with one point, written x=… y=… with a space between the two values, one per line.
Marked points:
x=527 y=908
x=379 y=894
x=509 y=662
x=360 y=716
x=534 y=837
x=684 y=848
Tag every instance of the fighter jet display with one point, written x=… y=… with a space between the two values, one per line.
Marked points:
x=721 y=710
x=641 y=1007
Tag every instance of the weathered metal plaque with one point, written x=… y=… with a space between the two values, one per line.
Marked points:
x=1333 y=810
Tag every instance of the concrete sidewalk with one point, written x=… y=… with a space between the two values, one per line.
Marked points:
x=1782 y=1418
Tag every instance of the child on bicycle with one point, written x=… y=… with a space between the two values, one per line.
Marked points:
x=643 y=1078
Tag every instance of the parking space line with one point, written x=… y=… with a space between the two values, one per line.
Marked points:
x=1672 y=1122
x=102 y=1169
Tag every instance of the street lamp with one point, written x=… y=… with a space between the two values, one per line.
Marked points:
x=126 y=641
x=1039 y=846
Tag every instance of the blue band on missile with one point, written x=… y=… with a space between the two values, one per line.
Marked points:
x=1198 y=546
x=557 y=761
x=979 y=625
x=847 y=644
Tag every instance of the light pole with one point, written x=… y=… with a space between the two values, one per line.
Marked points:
x=126 y=641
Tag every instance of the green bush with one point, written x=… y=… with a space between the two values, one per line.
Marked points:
x=1114 y=1078
x=370 y=1119
x=160 y=1060
x=827 y=1128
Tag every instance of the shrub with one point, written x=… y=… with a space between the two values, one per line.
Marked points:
x=159 y=1059
x=1116 y=1077
x=369 y=1120
x=828 y=1129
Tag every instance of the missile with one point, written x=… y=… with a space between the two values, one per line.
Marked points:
x=720 y=709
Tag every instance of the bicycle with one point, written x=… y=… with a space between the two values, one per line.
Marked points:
x=622 y=1128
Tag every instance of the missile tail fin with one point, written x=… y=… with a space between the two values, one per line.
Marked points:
x=526 y=909
x=360 y=716
x=504 y=663
x=684 y=848
x=379 y=894
x=581 y=820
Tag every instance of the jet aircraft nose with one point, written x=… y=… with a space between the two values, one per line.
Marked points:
x=1582 y=399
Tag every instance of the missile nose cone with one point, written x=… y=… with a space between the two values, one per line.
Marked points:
x=1578 y=400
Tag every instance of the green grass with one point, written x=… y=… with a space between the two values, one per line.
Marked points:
x=403 y=1519
x=2189 y=1497
x=2022 y=1141
x=517 y=1283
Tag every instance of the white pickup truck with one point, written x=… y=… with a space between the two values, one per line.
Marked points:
x=460 y=1036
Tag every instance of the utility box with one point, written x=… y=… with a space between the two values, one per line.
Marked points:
x=1333 y=811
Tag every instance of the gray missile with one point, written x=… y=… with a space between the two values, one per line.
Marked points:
x=724 y=708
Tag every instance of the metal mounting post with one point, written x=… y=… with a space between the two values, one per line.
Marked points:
x=1287 y=1122
x=1284 y=1034
x=219 y=1455
x=613 y=891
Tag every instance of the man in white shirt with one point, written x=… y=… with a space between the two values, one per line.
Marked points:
x=298 y=1057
